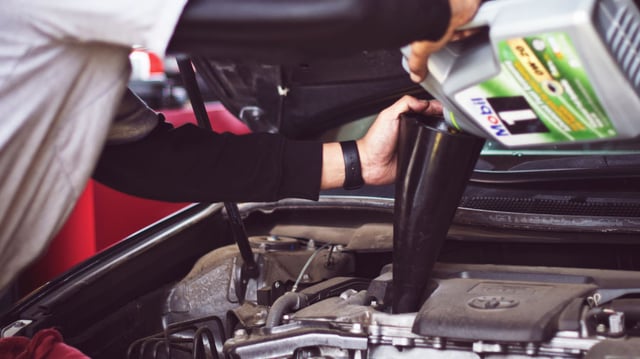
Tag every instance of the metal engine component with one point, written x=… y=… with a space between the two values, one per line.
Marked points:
x=360 y=331
x=543 y=319
x=280 y=263
x=472 y=311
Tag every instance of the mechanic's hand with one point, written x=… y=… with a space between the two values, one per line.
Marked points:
x=377 y=148
x=462 y=11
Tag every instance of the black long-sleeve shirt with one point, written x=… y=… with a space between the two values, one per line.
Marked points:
x=190 y=164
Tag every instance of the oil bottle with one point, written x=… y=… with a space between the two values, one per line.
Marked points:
x=543 y=72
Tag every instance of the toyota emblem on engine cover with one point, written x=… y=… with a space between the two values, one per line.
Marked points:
x=492 y=302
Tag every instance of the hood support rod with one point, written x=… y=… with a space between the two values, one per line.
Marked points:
x=249 y=268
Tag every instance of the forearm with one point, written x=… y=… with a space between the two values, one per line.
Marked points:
x=332 y=166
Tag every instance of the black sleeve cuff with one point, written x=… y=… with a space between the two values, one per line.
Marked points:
x=301 y=170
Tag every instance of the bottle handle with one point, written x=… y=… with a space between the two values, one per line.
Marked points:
x=486 y=14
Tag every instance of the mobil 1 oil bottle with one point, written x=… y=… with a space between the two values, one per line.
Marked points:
x=543 y=72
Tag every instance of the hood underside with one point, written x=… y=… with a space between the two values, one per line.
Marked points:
x=303 y=100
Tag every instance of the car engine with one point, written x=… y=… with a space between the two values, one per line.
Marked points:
x=305 y=304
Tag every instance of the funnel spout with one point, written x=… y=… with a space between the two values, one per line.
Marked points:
x=434 y=166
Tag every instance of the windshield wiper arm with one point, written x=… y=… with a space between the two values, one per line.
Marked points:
x=560 y=169
x=553 y=175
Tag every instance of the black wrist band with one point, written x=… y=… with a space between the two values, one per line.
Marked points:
x=352 y=168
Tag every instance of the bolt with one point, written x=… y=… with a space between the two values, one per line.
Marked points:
x=437 y=343
x=402 y=342
x=260 y=315
x=348 y=294
x=240 y=334
x=311 y=244
x=601 y=328
x=616 y=324
x=276 y=284
x=356 y=328
x=531 y=349
x=305 y=277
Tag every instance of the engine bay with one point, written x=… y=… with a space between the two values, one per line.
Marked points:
x=305 y=304
x=325 y=290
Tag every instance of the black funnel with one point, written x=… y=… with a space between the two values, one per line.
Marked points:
x=434 y=166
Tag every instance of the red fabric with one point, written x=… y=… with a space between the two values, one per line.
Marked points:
x=46 y=344
x=221 y=120
x=156 y=66
x=119 y=214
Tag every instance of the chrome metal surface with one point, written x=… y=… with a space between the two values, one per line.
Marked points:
x=13 y=328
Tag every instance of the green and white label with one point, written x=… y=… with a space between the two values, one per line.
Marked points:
x=542 y=95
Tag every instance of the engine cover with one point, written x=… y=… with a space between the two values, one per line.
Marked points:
x=496 y=310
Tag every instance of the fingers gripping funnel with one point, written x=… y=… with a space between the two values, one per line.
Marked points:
x=434 y=166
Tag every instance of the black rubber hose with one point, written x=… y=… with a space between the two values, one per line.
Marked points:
x=288 y=303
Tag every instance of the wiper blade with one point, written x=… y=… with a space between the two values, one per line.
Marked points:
x=549 y=169
x=553 y=175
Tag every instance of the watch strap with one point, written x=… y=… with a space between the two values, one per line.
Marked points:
x=352 y=167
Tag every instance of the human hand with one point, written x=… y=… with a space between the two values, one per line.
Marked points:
x=378 y=155
x=462 y=11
